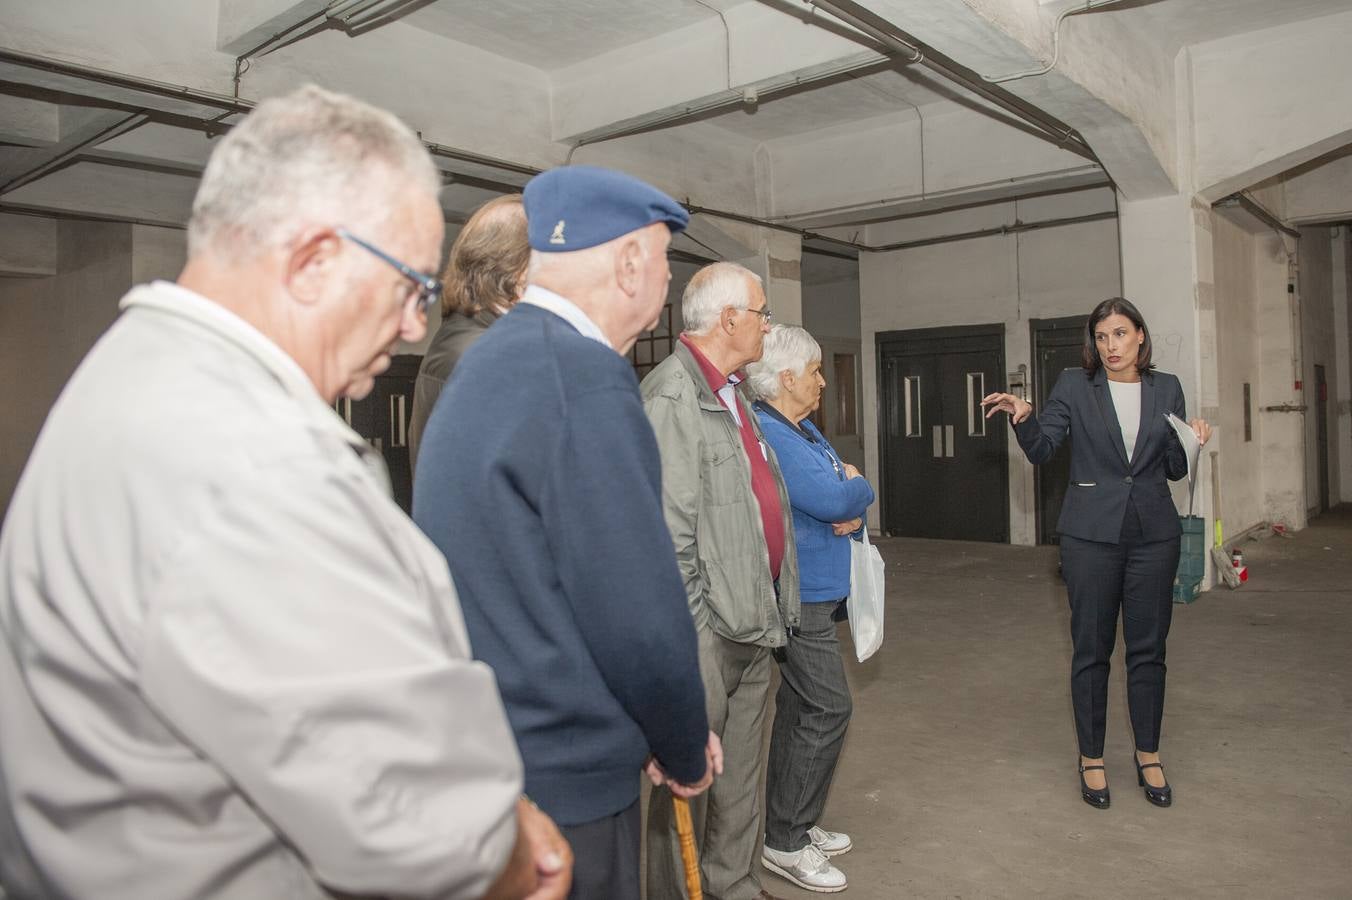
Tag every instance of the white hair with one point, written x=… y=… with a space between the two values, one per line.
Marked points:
x=714 y=288
x=787 y=348
x=310 y=156
x=590 y=265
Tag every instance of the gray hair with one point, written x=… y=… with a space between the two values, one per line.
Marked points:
x=787 y=348
x=713 y=288
x=310 y=156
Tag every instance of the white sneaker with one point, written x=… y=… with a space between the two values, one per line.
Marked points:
x=808 y=868
x=830 y=843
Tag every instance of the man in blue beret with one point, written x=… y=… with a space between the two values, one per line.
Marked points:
x=539 y=478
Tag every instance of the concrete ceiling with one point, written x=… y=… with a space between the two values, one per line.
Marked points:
x=515 y=79
x=1180 y=23
x=558 y=34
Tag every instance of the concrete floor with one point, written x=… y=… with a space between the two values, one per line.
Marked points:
x=958 y=778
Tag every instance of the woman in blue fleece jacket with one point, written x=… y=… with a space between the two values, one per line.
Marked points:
x=829 y=499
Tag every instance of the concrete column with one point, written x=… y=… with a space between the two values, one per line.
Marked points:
x=1283 y=433
x=1168 y=273
x=783 y=252
x=777 y=260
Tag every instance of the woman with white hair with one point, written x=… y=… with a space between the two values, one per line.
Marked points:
x=829 y=498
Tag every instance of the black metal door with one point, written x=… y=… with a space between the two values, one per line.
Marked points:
x=944 y=466
x=382 y=418
x=1057 y=345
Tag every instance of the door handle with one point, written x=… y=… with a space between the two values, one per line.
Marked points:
x=398 y=421
x=938 y=441
x=948 y=441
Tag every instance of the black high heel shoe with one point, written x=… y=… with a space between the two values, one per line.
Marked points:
x=1160 y=796
x=1095 y=797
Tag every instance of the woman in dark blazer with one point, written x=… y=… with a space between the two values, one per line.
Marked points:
x=1119 y=528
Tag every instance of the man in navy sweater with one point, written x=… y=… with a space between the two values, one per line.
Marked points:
x=539 y=478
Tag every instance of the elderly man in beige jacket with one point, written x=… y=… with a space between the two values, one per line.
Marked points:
x=728 y=512
x=230 y=666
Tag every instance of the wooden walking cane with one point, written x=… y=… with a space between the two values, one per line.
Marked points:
x=685 y=830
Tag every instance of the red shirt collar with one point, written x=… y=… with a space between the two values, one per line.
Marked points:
x=711 y=372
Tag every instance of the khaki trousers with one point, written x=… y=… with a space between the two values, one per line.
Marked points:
x=727 y=817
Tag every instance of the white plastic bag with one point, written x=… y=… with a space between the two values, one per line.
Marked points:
x=866 y=597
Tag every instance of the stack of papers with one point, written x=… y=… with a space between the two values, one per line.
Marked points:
x=1191 y=447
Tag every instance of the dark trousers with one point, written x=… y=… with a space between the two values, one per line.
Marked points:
x=812 y=711
x=1136 y=577
x=605 y=856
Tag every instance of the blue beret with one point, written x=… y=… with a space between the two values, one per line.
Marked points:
x=576 y=207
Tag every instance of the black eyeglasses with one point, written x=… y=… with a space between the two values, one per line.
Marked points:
x=428 y=288
x=763 y=312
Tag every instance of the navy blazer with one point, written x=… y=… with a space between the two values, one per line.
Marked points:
x=1101 y=478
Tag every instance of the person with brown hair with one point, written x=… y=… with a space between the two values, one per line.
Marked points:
x=1118 y=527
x=484 y=277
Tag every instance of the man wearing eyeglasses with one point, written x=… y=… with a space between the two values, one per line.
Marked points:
x=729 y=516
x=538 y=478
x=231 y=667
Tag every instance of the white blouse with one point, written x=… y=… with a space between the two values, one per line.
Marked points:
x=1127 y=402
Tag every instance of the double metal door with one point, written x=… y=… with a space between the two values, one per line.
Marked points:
x=382 y=418
x=945 y=466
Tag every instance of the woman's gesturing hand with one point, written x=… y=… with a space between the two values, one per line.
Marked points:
x=1018 y=409
x=1201 y=429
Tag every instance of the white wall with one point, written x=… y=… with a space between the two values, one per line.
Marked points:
x=1323 y=193
x=831 y=310
x=157 y=253
x=48 y=324
x=1237 y=341
x=1007 y=279
x=1268 y=100
x=27 y=246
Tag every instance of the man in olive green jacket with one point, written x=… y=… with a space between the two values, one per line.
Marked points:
x=729 y=516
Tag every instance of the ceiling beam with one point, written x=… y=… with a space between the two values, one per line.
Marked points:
x=913 y=50
x=33 y=164
x=244 y=26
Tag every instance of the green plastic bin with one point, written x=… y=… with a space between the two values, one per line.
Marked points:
x=1191 y=559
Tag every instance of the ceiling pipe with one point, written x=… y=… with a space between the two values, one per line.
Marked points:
x=729 y=98
x=244 y=60
x=372 y=15
x=1016 y=228
x=1056 y=43
x=880 y=29
x=128 y=82
x=867 y=217
x=1243 y=201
